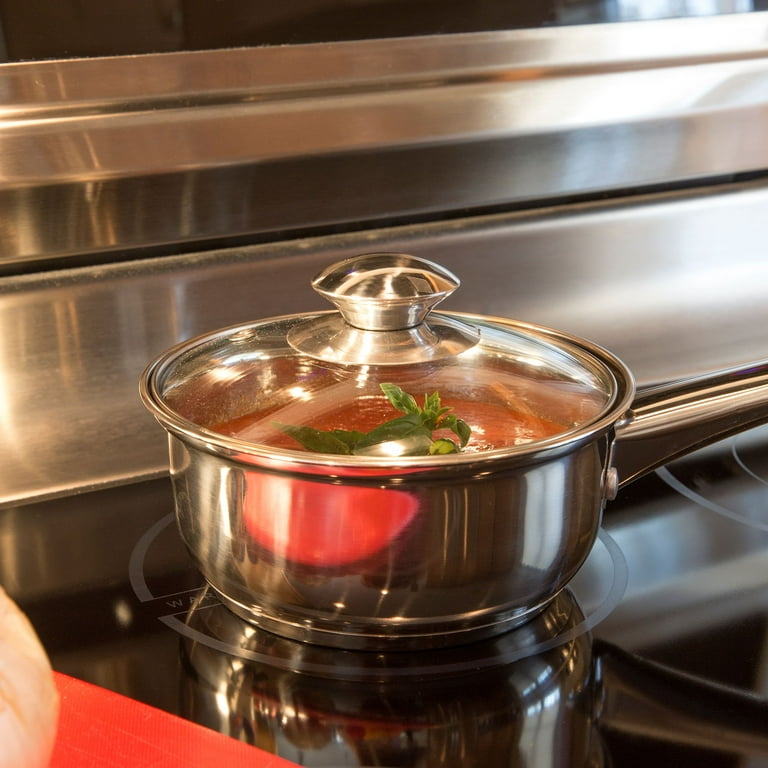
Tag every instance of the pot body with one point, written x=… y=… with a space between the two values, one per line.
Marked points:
x=369 y=559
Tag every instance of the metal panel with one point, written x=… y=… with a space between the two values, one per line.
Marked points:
x=106 y=156
x=673 y=284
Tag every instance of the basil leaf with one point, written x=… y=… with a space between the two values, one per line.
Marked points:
x=410 y=434
x=319 y=441
x=349 y=437
x=463 y=431
x=413 y=444
x=396 y=429
x=443 y=446
x=432 y=405
x=399 y=399
x=459 y=427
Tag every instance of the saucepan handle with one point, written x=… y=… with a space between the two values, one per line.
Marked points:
x=670 y=420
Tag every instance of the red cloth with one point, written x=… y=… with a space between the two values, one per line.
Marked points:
x=102 y=729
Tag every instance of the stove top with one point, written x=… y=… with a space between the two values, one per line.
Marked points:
x=658 y=650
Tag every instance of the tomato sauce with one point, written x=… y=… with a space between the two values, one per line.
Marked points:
x=493 y=425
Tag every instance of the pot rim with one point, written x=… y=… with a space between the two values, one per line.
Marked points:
x=621 y=396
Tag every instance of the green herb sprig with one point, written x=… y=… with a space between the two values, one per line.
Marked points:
x=412 y=432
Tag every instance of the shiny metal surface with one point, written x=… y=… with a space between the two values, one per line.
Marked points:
x=331 y=339
x=385 y=292
x=451 y=548
x=105 y=156
x=73 y=343
x=456 y=555
x=512 y=523
x=483 y=547
x=670 y=420
x=383 y=302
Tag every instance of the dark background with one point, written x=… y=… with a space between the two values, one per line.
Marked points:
x=45 y=29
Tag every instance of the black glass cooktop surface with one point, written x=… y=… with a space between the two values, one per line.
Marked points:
x=657 y=651
x=44 y=29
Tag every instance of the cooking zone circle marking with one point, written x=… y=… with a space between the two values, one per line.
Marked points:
x=745 y=461
x=753 y=462
x=597 y=589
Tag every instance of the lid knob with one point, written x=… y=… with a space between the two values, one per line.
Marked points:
x=385 y=291
x=383 y=301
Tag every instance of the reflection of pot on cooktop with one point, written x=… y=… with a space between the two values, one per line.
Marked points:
x=538 y=695
x=457 y=706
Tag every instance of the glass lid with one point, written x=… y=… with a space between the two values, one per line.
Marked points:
x=384 y=375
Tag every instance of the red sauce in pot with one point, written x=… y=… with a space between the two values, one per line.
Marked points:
x=328 y=525
x=493 y=425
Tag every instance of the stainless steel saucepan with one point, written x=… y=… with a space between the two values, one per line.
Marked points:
x=385 y=475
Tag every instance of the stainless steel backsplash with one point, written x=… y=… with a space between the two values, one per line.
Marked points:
x=104 y=161
x=675 y=284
